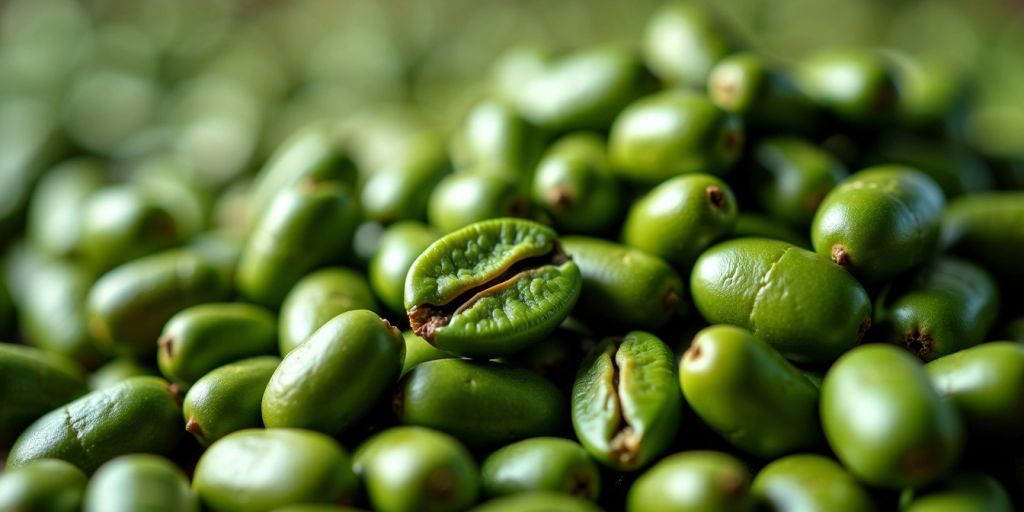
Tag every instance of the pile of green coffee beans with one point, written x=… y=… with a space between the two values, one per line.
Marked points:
x=678 y=275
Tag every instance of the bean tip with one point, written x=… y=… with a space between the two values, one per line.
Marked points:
x=167 y=345
x=669 y=301
x=732 y=484
x=919 y=343
x=560 y=198
x=716 y=197
x=840 y=255
x=176 y=392
x=693 y=353
x=580 y=485
x=424 y=320
x=441 y=483
x=192 y=426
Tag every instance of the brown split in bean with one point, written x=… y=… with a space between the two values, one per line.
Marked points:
x=426 y=319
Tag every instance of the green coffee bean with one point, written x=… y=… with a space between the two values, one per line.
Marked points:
x=946 y=306
x=885 y=421
x=491 y=288
x=574 y=184
x=493 y=136
x=767 y=99
x=762 y=226
x=809 y=482
x=317 y=298
x=626 y=404
x=480 y=403
x=399 y=246
x=624 y=285
x=747 y=392
x=986 y=384
x=682 y=42
x=544 y=501
x=696 y=481
x=312 y=153
x=418 y=350
x=879 y=222
x=136 y=415
x=681 y=217
x=121 y=223
x=259 y=470
x=129 y=305
x=791 y=177
x=963 y=492
x=854 y=84
x=985 y=228
x=800 y=303
x=333 y=379
x=670 y=133
x=308 y=226
x=582 y=91
x=50 y=485
x=54 y=222
x=117 y=370
x=228 y=399
x=32 y=383
x=139 y=482
x=541 y=464
x=200 y=338
x=437 y=472
x=464 y=198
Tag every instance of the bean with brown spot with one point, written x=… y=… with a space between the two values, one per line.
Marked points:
x=681 y=217
x=693 y=481
x=747 y=392
x=946 y=306
x=437 y=471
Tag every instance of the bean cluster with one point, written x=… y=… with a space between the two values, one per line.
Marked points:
x=676 y=273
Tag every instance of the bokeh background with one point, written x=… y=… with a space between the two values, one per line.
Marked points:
x=215 y=85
